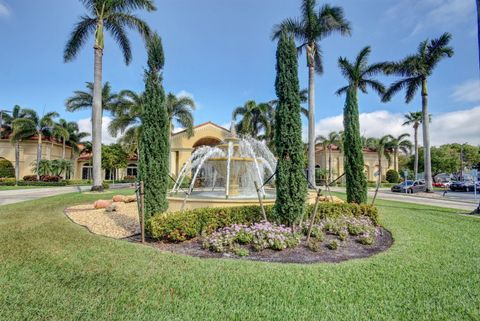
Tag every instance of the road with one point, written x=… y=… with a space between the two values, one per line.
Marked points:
x=22 y=195
x=456 y=201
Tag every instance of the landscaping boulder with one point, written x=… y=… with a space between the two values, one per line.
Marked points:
x=119 y=198
x=130 y=199
x=111 y=208
x=102 y=204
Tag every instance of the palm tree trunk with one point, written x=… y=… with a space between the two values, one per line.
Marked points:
x=97 y=121
x=311 y=116
x=63 y=148
x=395 y=153
x=17 y=161
x=329 y=165
x=415 y=166
x=426 y=138
x=39 y=153
x=379 y=180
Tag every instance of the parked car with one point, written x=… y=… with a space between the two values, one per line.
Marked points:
x=442 y=184
x=409 y=187
x=462 y=186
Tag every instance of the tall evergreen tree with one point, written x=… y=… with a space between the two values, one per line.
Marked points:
x=154 y=143
x=291 y=183
x=360 y=75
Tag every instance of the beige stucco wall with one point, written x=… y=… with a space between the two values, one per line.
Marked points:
x=182 y=146
x=28 y=153
x=370 y=159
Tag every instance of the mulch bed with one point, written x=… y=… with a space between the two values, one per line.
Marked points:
x=347 y=250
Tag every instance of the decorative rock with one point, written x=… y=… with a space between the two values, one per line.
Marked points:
x=111 y=208
x=102 y=204
x=119 y=198
x=130 y=199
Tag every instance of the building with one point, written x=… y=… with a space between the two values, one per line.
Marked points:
x=370 y=159
x=182 y=146
x=51 y=149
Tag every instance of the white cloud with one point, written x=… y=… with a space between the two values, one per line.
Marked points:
x=468 y=92
x=184 y=93
x=458 y=126
x=431 y=14
x=85 y=125
x=4 y=10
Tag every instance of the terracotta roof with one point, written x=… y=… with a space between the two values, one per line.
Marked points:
x=201 y=125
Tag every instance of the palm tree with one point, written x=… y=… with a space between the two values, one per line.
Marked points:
x=180 y=109
x=309 y=30
x=60 y=132
x=399 y=143
x=84 y=99
x=70 y=134
x=33 y=125
x=255 y=119
x=128 y=112
x=329 y=141
x=360 y=75
x=114 y=17
x=414 y=119
x=15 y=136
x=415 y=71
x=380 y=146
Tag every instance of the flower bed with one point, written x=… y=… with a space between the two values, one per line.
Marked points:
x=340 y=232
x=185 y=225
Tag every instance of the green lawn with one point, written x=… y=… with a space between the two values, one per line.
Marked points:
x=52 y=269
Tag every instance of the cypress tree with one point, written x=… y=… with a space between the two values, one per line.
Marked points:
x=353 y=151
x=154 y=143
x=291 y=182
x=360 y=75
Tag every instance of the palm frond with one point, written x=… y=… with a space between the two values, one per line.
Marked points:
x=119 y=35
x=78 y=37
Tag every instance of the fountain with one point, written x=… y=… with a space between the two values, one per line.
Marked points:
x=225 y=175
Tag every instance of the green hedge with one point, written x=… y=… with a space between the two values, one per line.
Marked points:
x=78 y=182
x=181 y=226
x=7 y=181
x=40 y=183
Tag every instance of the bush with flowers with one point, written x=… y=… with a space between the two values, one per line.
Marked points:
x=258 y=236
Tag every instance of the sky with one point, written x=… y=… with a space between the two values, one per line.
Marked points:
x=220 y=53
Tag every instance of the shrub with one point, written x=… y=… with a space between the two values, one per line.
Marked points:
x=30 y=178
x=366 y=240
x=40 y=183
x=181 y=226
x=6 y=169
x=313 y=246
x=392 y=176
x=342 y=235
x=50 y=178
x=263 y=235
x=105 y=185
x=76 y=182
x=7 y=181
x=333 y=245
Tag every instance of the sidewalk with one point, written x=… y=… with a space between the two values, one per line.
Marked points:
x=22 y=195
x=409 y=198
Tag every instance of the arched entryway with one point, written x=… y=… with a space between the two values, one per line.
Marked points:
x=206 y=141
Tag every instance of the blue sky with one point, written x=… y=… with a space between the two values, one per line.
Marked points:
x=220 y=52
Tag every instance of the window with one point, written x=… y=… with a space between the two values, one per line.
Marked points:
x=132 y=170
x=87 y=172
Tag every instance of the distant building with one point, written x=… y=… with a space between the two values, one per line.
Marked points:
x=370 y=158
x=182 y=146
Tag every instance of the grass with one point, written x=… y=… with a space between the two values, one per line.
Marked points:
x=52 y=269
